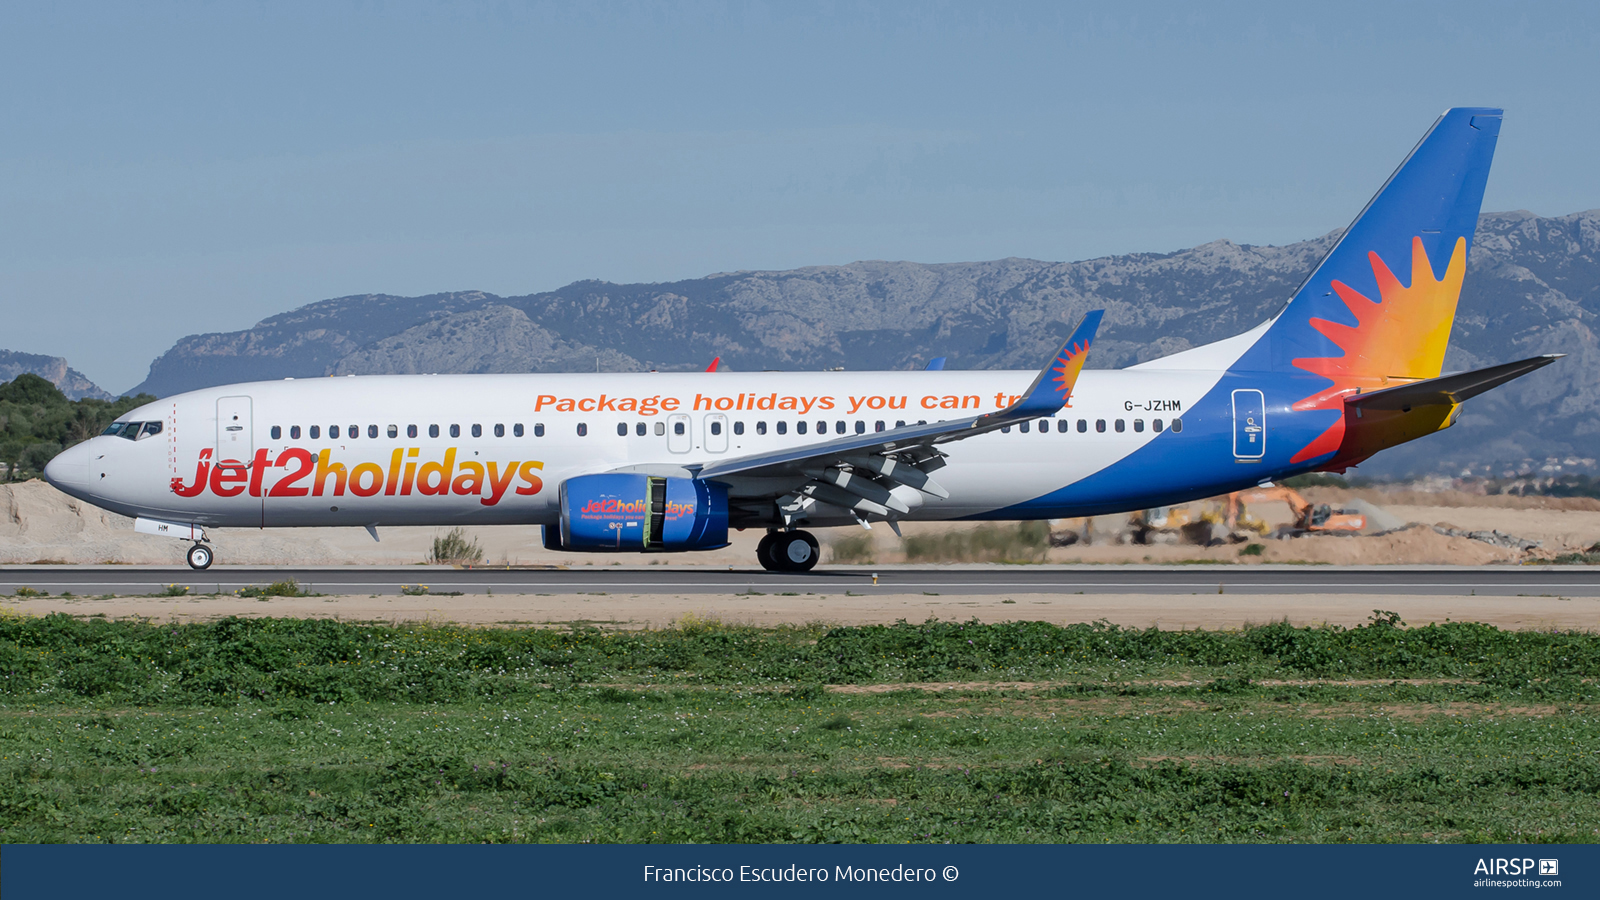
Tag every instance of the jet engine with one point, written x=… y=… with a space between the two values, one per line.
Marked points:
x=642 y=513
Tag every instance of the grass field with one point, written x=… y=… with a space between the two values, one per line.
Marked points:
x=311 y=730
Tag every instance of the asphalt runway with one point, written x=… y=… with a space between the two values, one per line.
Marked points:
x=1503 y=581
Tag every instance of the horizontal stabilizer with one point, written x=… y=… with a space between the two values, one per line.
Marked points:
x=1449 y=389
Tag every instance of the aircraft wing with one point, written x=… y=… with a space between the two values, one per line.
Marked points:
x=858 y=472
x=1449 y=389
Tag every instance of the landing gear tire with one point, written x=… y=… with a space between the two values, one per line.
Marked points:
x=199 y=557
x=793 y=551
x=764 y=552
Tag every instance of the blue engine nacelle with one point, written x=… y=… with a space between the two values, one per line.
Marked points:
x=640 y=513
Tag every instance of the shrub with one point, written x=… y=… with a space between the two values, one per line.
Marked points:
x=854 y=549
x=1020 y=542
x=455 y=548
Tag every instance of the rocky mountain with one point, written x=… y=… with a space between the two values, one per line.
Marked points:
x=1533 y=287
x=53 y=369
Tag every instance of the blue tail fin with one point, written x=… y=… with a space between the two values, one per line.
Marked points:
x=1381 y=303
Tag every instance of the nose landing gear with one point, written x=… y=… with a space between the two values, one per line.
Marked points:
x=199 y=557
x=788 y=551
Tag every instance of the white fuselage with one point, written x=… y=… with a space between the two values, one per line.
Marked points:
x=247 y=454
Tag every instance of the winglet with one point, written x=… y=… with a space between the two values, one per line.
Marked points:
x=935 y=365
x=1053 y=388
x=714 y=363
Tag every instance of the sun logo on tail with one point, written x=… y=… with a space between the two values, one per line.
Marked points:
x=1398 y=339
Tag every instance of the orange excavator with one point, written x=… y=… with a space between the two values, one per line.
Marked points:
x=1308 y=517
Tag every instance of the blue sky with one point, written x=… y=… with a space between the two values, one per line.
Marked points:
x=182 y=168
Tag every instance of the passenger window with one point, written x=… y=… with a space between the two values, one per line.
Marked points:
x=716 y=427
x=477 y=431
x=738 y=428
x=1023 y=427
x=516 y=430
x=641 y=429
x=394 y=431
x=333 y=432
x=1083 y=425
x=1138 y=425
x=799 y=427
x=622 y=429
x=372 y=431
x=411 y=431
x=877 y=426
x=1155 y=425
x=1062 y=425
x=761 y=428
x=583 y=429
x=1005 y=429
x=839 y=427
x=277 y=432
x=294 y=432
x=677 y=428
x=1177 y=425
x=538 y=429
x=899 y=423
x=661 y=428
x=1044 y=426
x=783 y=427
x=455 y=431
x=316 y=432
x=1100 y=425
x=499 y=430
x=433 y=431
x=1121 y=426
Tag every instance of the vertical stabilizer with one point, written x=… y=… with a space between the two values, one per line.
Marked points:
x=1382 y=302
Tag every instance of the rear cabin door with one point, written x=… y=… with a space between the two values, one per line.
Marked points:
x=1249 y=424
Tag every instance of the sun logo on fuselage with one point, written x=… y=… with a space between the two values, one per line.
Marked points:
x=1396 y=340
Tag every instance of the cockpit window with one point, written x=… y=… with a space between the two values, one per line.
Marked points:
x=132 y=431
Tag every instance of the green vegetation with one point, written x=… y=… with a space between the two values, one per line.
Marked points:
x=455 y=548
x=37 y=421
x=313 y=730
x=288 y=588
x=1252 y=549
x=1008 y=542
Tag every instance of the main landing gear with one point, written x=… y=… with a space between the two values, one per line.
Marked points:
x=788 y=551
x=199 y=557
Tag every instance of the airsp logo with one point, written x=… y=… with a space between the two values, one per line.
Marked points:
x=1502 y=866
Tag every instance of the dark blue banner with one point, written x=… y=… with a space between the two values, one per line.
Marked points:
x=1233 y=871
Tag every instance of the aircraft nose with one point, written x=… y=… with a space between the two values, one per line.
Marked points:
x=70 y=468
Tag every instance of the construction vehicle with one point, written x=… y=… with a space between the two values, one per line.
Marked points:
x=1160 y=524
x=1309 y=518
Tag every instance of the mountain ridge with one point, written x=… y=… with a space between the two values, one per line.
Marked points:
x=54 y=369
x=1533 y=287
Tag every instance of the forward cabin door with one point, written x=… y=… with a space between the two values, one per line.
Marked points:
x=1249 y=424
x=233 y=471
x=235 y=432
